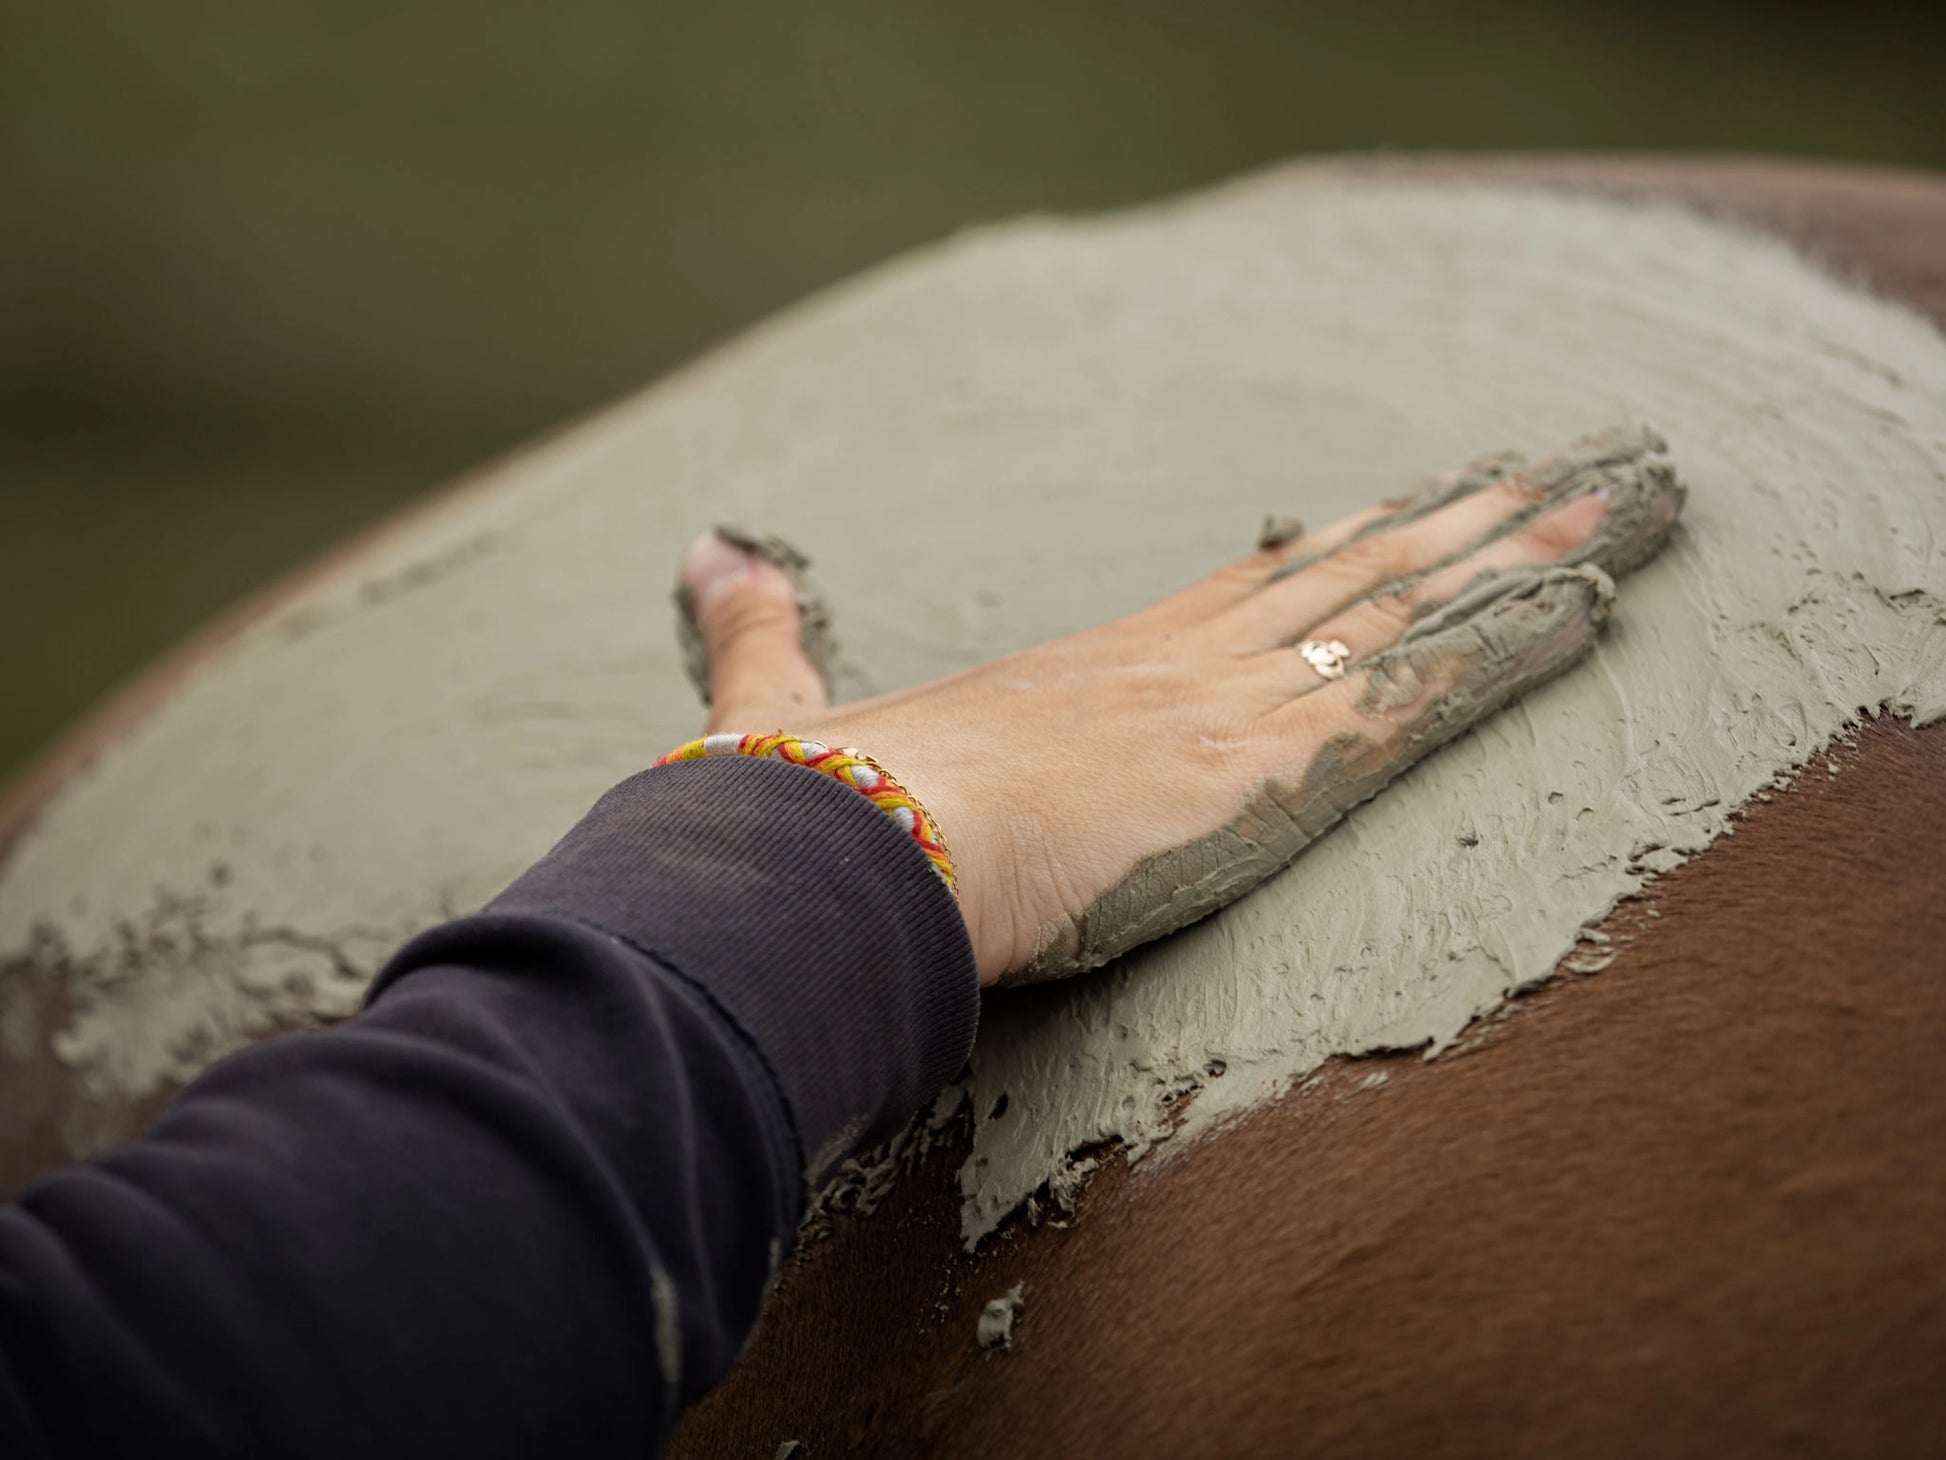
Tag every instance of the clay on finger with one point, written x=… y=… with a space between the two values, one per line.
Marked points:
x=819 y=644
x=1632 y=462
x=1278 y=530
x=1452 y=669
x=1447 y=487
x=1645 y=497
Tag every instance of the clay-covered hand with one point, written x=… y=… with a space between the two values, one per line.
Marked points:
x=1107 y=788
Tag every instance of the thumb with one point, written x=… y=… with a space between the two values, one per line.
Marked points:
x=741 y=610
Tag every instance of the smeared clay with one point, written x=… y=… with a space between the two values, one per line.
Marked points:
x=1505 y=634
x=1278 y=530
x=1522 y=642
x=1062 y=421
x=995 y=1329
x=820 y=646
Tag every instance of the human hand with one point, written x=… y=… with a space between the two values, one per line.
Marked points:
x=1106 y=788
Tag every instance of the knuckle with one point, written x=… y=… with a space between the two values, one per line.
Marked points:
x=752 y=614
x=1388 y=555
x=1226 y=745
x=1246 y=573
x=1360 y=558
x=1371 y=559
x=1387 y=615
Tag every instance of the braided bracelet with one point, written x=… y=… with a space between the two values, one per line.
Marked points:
x=863 y=774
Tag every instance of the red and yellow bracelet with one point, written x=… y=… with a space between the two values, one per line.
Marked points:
x=863 y=774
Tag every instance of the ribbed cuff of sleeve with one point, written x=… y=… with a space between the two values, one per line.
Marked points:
x=805 y=913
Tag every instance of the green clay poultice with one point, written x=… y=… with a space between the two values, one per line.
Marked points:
x=1019 y=433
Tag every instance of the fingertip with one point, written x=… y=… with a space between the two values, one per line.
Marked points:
x=729 y=589
x=711 y=566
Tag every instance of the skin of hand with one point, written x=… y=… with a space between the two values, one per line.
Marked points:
x=1146 y=735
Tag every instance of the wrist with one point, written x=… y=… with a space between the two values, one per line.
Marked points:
x=803 y=914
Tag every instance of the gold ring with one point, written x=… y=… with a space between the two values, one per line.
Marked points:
x=1327 y=656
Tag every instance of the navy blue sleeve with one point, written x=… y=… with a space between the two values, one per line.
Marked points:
x=530 y=1200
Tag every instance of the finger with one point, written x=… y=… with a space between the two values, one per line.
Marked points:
x=1445 y=488
x=1291 y=606
x=1628 y=464
x=1377 y=622
x=743 y=615
x=1283 y=547
x=1617 y=527
x=1229 y=585
x=1457 y=666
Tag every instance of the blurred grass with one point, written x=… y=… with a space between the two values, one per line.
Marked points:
x=268 y=269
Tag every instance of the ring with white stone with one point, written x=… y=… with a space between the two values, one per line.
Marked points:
x=1327 y=656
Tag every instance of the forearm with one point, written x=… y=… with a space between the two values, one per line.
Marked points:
x=530 y=1200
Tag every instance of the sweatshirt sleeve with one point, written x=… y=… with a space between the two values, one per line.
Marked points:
x=530 y=1200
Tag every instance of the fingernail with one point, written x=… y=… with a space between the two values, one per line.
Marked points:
x=710 y=567
x=1604 y=491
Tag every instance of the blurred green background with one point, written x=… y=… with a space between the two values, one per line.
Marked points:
x=269 y=268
